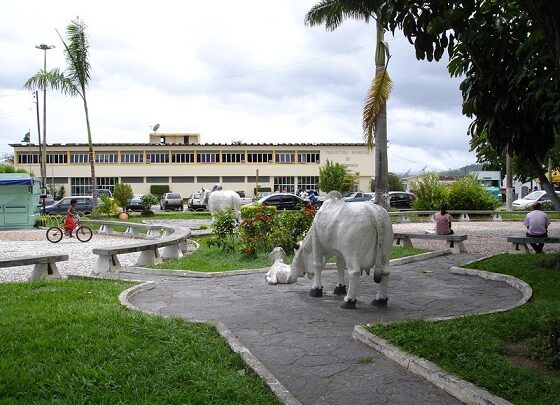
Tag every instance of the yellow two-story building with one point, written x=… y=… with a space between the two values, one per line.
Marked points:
x=182 y=162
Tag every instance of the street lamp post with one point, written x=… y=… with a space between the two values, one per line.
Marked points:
x=44 y=48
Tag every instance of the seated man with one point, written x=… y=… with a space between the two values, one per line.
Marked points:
x=537 y=223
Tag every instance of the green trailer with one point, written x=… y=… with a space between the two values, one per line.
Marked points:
x=19 y=199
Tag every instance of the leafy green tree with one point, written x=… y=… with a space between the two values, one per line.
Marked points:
x=395 y=183
x=74 y=81
x=332 y=13
x=122 y=193
x=335 y=176
x=430 y=192
x=468 y=194
x=147 y=201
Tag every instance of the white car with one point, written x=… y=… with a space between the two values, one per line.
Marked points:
x=530 y=199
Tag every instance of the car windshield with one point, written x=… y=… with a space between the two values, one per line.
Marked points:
x=350 y=195
x=535 y=195
x=173 y=196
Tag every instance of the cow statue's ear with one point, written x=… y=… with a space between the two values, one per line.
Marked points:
x=296 y=246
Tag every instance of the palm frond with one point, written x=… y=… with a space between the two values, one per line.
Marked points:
x=76 y=52
x=333 y=12
x=376 y=98
x=53 y=79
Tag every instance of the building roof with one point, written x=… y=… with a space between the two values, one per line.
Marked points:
x=16 y=179
x=14 y=145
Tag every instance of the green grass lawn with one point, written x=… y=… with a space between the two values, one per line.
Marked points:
x=71 y=342
x=213 y=259
x=479 y=348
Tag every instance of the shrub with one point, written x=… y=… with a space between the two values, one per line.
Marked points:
x=147 y=201
x=223 y=233
x=108 y=206
x=291 y=227
x=335 y=176
x=256 y=227
x=57 y=192
x=122 y=194
x=429 y=191
x=468 y=194
x=393 y=181
x=11 y=169
x=159 y=190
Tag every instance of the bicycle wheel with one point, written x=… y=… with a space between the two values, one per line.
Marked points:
x=84 y=234
x=54 y=234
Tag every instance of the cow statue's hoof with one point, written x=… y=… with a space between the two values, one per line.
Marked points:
x=381 y=302
x=350 y=304
x=377 y=276
x=316 y=292
x=340 y=290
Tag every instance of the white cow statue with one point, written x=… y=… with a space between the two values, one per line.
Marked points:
x=359 y=235
x=279 y=272
x=218 y=200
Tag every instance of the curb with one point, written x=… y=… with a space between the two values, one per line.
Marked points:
x=462 y=390
x=236 y=346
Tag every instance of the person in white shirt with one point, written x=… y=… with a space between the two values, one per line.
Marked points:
x=537 y=223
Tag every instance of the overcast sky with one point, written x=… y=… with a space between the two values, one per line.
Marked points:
x=246 y=71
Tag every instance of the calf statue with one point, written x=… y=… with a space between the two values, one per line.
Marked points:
x=359 y=235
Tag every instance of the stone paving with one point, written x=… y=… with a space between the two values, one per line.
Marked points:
x=307 y=342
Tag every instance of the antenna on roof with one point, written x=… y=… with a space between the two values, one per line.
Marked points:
x=155 y=128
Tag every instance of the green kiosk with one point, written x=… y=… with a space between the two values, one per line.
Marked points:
x=19 y=199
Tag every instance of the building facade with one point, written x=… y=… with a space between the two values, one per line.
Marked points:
x=186 y=165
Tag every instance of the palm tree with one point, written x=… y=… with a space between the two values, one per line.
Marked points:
x=332 y=13
x=73 y=81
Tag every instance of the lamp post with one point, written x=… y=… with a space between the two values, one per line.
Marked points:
x=44 y=48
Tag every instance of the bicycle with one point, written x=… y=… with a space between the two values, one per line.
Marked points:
x=83 y=233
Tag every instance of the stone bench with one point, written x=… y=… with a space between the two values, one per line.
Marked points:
x=45 y=265
x=132 y=229
x=173 y=244
x=519 y=244
x=454 y=241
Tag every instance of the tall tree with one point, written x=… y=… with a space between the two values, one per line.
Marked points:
x=332 y=13
x=74 y=81
x=507 y=56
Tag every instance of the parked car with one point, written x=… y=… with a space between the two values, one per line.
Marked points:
x=104 y=191
x=283 y=201
x=195 y=202
x=171 y=201
x=135 y=203
x=358 y=196
x=401 y=199
x=84 y=205
x=261 y=195
x=49 y=200
x=530 y=199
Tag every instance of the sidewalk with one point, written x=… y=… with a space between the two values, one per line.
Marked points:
x=307 y=342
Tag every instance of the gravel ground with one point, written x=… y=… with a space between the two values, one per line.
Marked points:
x=484 y=238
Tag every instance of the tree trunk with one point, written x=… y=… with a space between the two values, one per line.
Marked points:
x=91 y=157
x=381 y=164
x=540 y=173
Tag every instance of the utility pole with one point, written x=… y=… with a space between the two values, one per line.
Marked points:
x=509 y=182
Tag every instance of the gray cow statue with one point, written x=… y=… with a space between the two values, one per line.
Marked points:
x=359 y=235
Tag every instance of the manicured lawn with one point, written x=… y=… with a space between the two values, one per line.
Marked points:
x=71 y=342
x=213 y=259
x=479 y=348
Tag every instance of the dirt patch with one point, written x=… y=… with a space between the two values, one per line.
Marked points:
x=520 y=355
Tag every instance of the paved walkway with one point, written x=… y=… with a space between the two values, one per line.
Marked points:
x=307 y=342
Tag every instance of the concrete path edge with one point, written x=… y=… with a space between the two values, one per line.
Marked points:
x=250 y=360
x=455 y=386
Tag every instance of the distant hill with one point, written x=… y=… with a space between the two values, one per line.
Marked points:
x=462 y=170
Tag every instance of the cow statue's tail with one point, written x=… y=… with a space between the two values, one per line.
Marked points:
x=381 y=258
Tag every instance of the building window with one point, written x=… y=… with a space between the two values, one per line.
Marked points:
x=60 y=157
x=308 y=182
x=308 y=157
x=208 y=179
x=109 y=157
x=106 y=183
x=284 y=184
x=233 y=157
x=208 y=157
x=259 y=157
x=80 y=186
x=28 y=158
x=132 y=157
x=285 y=157
x=157 y=179
x=132 y=179
x=262 y=179
x=182 y=157
x=233 y=179
x=157 y=157
x=77 y=157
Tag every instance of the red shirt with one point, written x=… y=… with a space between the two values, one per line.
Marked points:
x=443 y=223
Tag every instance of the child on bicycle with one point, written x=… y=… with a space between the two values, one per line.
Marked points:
x=69 y=222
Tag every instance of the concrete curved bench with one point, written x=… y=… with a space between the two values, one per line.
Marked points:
x=454 y=241
x=519 y=243
x=45 y=265
x=173 y=244
x=132 y=228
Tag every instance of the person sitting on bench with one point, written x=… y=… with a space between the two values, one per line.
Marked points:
x=443 y=221
x=537 y=223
